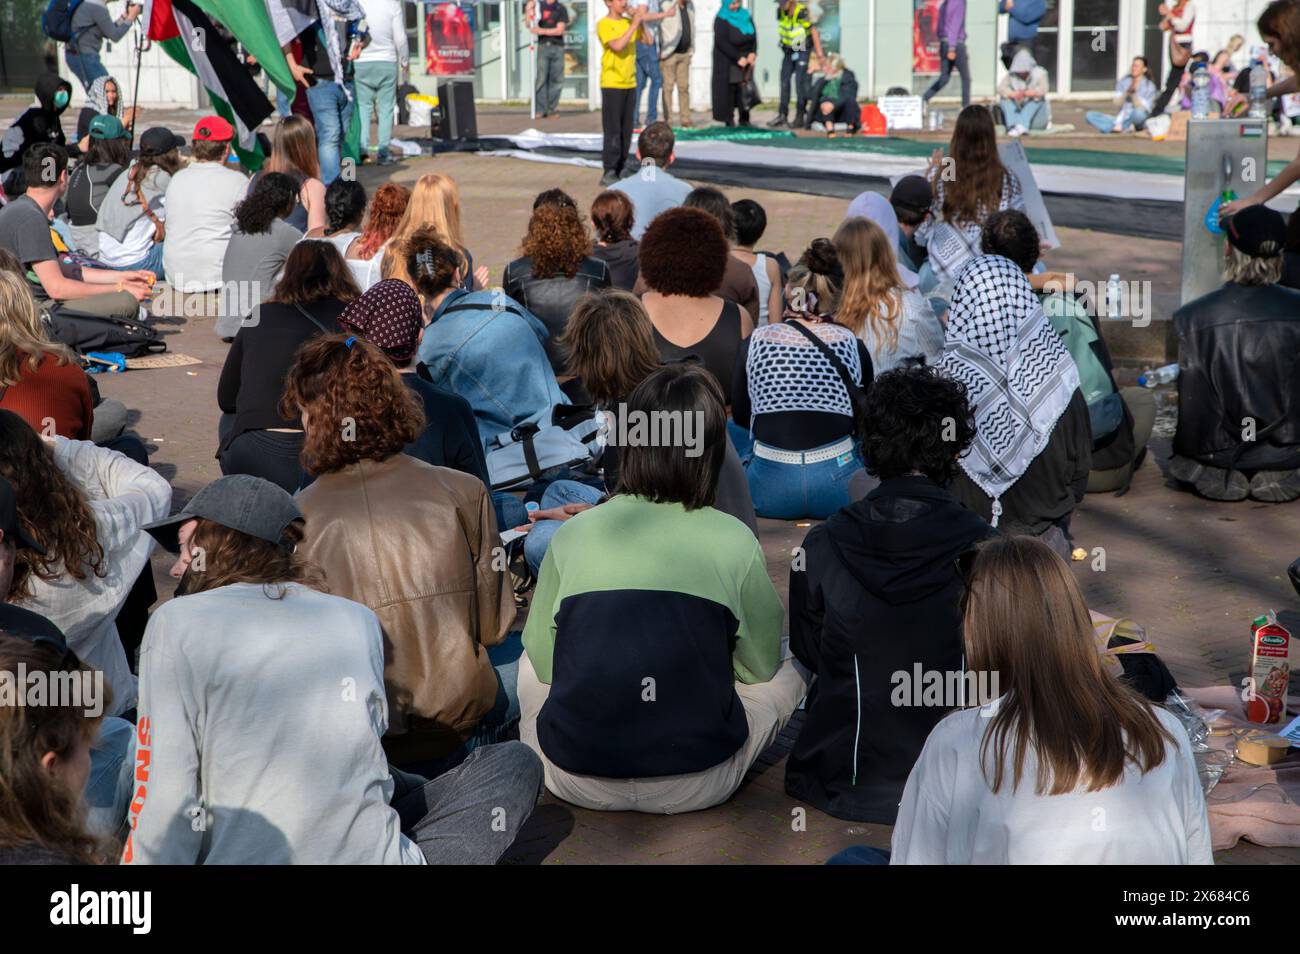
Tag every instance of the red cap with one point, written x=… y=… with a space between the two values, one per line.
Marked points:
x=213 y=129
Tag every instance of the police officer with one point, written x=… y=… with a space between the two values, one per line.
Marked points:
x=795 y=28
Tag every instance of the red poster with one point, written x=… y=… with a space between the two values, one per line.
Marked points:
x=925 y=36
x=449 y=39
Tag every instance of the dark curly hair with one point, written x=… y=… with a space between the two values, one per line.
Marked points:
x=916 y=420
x=357 y=407
x=52 y=508
x=684 y=252
x=345 y=204
x=554 y=197
x=1009 y=233
x=274 y=196
x=557 y=240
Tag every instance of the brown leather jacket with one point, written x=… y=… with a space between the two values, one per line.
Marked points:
x=417 y=544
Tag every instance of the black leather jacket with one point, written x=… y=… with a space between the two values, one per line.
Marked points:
x=552 y=299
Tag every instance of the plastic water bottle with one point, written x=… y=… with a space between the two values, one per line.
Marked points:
x=1114 y=292
x=1258 y=91
x=1201 y=92
x=1165 y=375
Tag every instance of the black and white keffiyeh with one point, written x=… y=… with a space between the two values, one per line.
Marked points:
x=1017 y=373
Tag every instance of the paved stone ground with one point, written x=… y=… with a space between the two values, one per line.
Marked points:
x=1192 y=571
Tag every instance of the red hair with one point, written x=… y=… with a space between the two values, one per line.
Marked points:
x=386 y=210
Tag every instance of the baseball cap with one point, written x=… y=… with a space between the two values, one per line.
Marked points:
x=1257 y=231
x=9 y=523
x=159 y=140
x=104 y=126
x=213 y=129
x=240 y=502
x=912 y=192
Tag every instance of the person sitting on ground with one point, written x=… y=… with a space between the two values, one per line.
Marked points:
x=293 y=153
x=911 y=199
x=107 y=154
x=1022 y=95
x=104 y=98
x=1120 y=421
x=793 y=400
x=415 y=543
x=684 y=259
x=555 y=270
x=39 y=124
x=738 y=283
x=84 y=506
x=751 y=223
x=259 y=246
x=345 y=209
x=655 y=595
x=433 y=203
x=47 y=750
x=877 y=209
x=481 y=345
x=308 y=300
x=653 y=189
x=1008 y=781
x=896 y=324
x=969 y=185
x=835 y=97
x=1238 y=394
x=201 y=201
x=877 y=593
x=1028 y=467
x=1136 y=94
x=611 y=348
x=25 y=232
x=613 y=218
x=366 y=255
x=213 y=692
x=131 y=221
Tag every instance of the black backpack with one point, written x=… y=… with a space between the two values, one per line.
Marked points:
x=84 y=333
x=56 y=21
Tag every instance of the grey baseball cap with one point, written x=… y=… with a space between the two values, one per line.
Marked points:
x=241 y=502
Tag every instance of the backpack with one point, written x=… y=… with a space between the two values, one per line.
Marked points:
x=56 y=21
x=574 y=438
x=84 y=333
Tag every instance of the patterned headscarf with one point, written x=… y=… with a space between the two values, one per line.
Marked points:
x=390 y=317
x=1018 y=375
x=97 y=95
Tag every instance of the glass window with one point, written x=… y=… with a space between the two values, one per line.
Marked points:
x=1046 y=46
x=1095 y=45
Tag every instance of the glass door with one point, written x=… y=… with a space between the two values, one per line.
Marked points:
x=1046 y=47
x=1094 y=45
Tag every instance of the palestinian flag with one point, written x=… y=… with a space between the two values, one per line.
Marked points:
x=191 y=37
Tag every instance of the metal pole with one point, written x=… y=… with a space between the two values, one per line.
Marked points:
x=141 y=43
x=532 y=64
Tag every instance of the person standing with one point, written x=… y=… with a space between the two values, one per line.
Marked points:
x=376 y=71
x=795 y=28
x=647 y=58
x=1177 y=21
x=617 y=32
x=1023 y=17
x=548 y=20
x=92 y=24
x=952 y=50
x=326 y=85
x=735 y=45
x=676 y=45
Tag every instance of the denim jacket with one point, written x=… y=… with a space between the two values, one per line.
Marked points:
x=493 y=355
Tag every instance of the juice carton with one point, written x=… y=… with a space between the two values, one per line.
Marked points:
x=1270 y=670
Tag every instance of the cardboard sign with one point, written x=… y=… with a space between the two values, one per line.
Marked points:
x=902 y=112
x=1013 y=157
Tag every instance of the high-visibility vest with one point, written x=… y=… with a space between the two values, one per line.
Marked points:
x=791 y=27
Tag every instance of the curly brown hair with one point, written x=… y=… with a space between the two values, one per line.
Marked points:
x=557 y=241
x=684 y=252
x=52 y=508
x=230 y=556
x=356 y=406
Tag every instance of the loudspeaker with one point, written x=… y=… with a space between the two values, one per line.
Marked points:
x=457 y=120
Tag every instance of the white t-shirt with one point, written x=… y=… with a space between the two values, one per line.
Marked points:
x=201 y=201
x=388 y=42
x=949 y=816
x=132 y=249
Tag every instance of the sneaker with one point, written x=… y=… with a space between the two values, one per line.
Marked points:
x=779 y=123
x=608 y=179
x=1015 y=132
x=1275 y=486
x=1185 y=469
x=386 y=160
x=1216 y=483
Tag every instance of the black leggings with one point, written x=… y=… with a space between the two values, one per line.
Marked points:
x=272 y=455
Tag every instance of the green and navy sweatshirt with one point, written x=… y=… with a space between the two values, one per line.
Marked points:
x=644 y=617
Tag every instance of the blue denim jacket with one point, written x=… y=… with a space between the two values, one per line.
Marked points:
x=491 y=355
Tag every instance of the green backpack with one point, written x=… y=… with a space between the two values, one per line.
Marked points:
x=1078 y=334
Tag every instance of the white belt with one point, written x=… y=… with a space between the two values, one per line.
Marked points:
x=803 y=457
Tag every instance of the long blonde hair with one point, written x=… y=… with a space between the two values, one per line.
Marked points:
x=434 y=202
x=872 y=286
x=22 y=335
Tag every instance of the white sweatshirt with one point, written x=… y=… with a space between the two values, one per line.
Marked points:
x=387 y=25
x=949 y=816
x=258 y=734
x=123 y=497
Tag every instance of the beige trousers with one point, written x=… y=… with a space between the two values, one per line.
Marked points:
x=768 y=707
x=676 y=71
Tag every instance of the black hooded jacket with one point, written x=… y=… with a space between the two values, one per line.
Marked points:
x=39 y=123
x=878 y=593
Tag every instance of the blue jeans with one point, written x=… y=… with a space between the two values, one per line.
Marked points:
x=741 y=439
x=376 y=86
x=86 y=67
x=558 y=494
x=550 y=77
x=798 y=491
x=1031 y=113
x=152 y=262
x=860 y=855
x=961 y=64
x=1105 y=123
x=647 y=71
x=331 y=110
x=510 y=510
x=112 y=769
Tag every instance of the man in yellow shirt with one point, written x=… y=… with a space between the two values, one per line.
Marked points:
x=617 y=33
